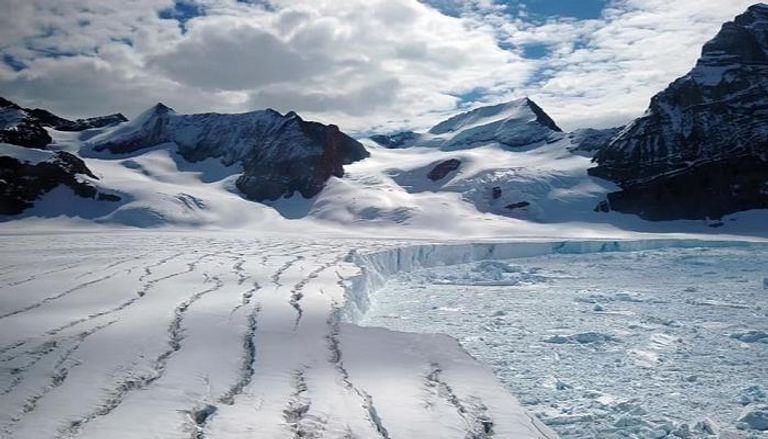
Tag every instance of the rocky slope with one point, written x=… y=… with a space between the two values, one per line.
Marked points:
x=25 y=177
x=279 y=154
x=26 y=127
x=701 y=149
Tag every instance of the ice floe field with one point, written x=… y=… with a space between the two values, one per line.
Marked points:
x=667 y=342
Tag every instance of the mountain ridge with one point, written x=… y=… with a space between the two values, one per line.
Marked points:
x=704 y=136
x=280 y=154
x=516 y=123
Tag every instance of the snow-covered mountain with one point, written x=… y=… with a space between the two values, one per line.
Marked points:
x=28 y=174
x=701 y=150
x=700 y=153
x=512 y=124
x=510 y=160
x=26 y=127
x=279 y=154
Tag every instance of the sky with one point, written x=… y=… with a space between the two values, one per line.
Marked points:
x=365 y=65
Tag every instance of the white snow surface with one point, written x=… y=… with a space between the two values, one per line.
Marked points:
x=216 y=335
x=30 y=156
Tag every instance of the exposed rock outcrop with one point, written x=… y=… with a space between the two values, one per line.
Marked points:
x=21 y=182
x=442 y=169
x=590 y=140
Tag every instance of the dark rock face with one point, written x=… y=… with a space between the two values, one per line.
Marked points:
x=17 y=127
x=25 y=127
x=442 y=169
x=280 y=154
x=708 y=190
x=271 y=179
x=22 y=183
x=26 y=133
x=701 y=150
x=518 y=205
x=396 y=140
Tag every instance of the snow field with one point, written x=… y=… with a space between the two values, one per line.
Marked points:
x=212 y=335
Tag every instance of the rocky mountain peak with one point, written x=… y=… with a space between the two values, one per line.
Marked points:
x=705 y=136
x=513 y=124
x=741 y=41
x=160 y=108
x=279 y=154
x=157 y=110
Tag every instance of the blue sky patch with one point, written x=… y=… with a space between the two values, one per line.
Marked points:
x=182 y=11
x=579 y=9
x=536 y=51
x=469 y=97
x=536 y=9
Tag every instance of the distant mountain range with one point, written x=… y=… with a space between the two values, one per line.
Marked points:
x=700 y=151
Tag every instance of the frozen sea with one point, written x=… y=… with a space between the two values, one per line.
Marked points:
x=660 y=343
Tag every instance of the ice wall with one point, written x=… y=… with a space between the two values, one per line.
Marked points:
x=376 y=267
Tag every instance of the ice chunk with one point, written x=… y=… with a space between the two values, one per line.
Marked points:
x=706 y=426
x=755 y=419
x=752 y=394
x=582 y=338
x=751 y=336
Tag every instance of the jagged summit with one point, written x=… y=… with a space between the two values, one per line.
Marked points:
x=160 y=108
x=705 y=136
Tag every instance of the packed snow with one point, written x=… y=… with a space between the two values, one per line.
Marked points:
x=669 y=342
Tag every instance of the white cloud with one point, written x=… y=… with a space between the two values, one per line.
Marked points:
x=604 y=72
x=362 y=64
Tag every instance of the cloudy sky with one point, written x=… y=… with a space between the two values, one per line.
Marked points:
x=366 y=65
